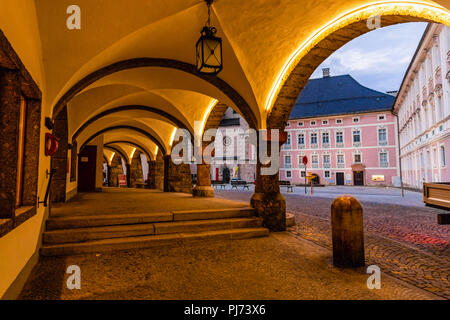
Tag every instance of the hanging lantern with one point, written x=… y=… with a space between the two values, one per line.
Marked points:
x=209 y=48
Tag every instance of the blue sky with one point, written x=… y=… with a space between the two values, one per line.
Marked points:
x=377 y=59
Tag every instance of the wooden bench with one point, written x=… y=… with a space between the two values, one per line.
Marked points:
x=236 y=183
x=217 y=184
x=287 y=184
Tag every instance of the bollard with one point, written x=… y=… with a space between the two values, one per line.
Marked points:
x=348 y=232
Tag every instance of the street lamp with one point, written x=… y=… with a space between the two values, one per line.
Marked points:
x=209 y=48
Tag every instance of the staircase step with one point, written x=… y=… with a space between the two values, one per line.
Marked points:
x=141 y=242
x=76 y=222
x=106 y=220
x=122 y=231
x=212 y=214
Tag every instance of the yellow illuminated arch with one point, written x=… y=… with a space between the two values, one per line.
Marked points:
x=419 y=9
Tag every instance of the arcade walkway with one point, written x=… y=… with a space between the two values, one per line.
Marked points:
x=275 y=267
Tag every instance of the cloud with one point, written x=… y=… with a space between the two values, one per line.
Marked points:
x=382 y=55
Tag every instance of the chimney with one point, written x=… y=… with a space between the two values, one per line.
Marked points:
x=326 y=72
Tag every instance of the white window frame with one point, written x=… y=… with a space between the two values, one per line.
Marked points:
x=358 y=119
x=379 y=157
x=325 y=174
x=341 y=121
x=337 y=158
x=313 y=123
x=325 y=122
x=343 y=136
x=443 y=156
x=304 y=139
x=381 y=115
x=378 y=134
x=359 y=153
x=317 y=138
x=360 y=135
x=301 y=124
x=290 y=172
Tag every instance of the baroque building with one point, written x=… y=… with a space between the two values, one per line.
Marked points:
x=346 y=131
x=423 y=107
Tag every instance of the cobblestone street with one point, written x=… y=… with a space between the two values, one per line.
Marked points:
x=405 y=241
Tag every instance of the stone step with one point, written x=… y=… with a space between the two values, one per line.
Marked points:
x=122 y=231
x=141 y=242
x=75 y=222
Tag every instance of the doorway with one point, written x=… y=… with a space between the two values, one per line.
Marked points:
x=340 y=179
x=226 y=175
x=358 y=178
x=87 y=161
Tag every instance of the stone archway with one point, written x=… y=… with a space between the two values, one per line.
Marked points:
x=326 y=45
x=267 y=199
x=217 y=82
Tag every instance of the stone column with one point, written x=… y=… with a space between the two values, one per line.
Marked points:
x=128 y=166
x=177 y=178
x=9 y=120
x=267 y=200
x=136 y=170
x=203 y=187
x=151 y=174
x=59 y=159
x=108 y=175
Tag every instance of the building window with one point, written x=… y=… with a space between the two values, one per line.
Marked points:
x=381 y=117
x=382 y=136
x=313 y=138
x=443 y=158
x=357 y=158
x=338 y=121
x=313 y=123
x=301 y=124
x=315 y=159
x=301 y=139
x=287 y=161
x=339 y=137
x=288 y=124
x=327 y=174
x=325 y=122
x=340 y=159
x=325 y=138
x=288 y=142
x=356 y=136
x=384 y=160
x=302 y=174
x=356 y=120
x=288 y=174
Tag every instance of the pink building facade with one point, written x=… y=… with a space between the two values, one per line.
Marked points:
x=347 y=132
x=359 y=149
x=423 y=106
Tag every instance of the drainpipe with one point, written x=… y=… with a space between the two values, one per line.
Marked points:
x=399 y=153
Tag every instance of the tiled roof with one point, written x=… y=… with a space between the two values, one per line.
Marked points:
x=339 y=95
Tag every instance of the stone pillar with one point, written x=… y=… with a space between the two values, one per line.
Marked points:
x=59 y=159
x=203 y=187
x=136 y=170
x=9 y=121
x=177 y=178
x=108 y=175
x=128 y=166
x=267 y=200
x=159 y=173
x=151 y=178
x=116 y=169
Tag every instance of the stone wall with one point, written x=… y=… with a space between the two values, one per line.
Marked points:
x=178 y=177
x=59 y=159
x=116 y=169
x=136 y=174
x=159 y=174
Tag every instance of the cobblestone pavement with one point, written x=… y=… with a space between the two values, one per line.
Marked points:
x=405 y=242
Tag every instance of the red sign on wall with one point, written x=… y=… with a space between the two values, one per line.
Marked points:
x=122 y=180
x=305 y=160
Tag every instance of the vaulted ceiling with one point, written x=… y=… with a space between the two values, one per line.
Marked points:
x=260 y=40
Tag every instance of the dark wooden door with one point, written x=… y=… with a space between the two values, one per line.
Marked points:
x=358 y=178
x=87 y=160
x=340 y=179
x=226 y=175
